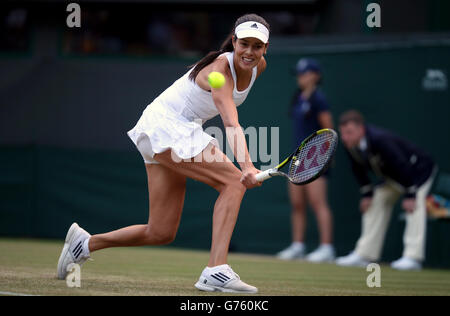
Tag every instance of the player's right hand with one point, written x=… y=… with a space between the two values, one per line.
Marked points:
x=248 y=178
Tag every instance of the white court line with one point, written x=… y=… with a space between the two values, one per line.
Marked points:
x=16 y=294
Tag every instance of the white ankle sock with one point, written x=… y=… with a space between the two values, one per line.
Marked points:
x=86 y=252
x=298 y=245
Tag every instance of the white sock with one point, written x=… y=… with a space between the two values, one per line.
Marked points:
x=298 y=245
x=217 y=267
x=86 y=252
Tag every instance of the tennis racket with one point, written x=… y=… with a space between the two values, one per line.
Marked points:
x=309 y=161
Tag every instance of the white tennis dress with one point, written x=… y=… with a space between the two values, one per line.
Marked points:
x=174 y=119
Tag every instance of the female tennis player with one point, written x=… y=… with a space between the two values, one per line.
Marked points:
x=174 y=146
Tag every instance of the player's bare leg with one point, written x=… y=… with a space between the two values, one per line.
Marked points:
x=222 y=175
x=166 y=194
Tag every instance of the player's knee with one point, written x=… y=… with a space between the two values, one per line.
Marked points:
x=239 y=186
x=167 y=239
x=236 y=186
x=231 y=183
x=164 y=238
x=158 y=236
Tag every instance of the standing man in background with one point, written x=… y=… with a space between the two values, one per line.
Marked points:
x=405 y=170
x=310 y=112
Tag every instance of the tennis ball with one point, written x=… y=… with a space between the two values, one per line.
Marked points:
x=216 y=80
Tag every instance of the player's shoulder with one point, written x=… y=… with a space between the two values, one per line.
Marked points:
x=221 y=65
x=261 y=66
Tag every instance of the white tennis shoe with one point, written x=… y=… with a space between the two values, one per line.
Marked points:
x=352 y=260
x=405 y=263
x=323 y=254
x=294 y=251
x=74 y=250
x=222 y=279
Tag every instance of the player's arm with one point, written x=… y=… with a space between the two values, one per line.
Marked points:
x=223 y=99
x=261 y=66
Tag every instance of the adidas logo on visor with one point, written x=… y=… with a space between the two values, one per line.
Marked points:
x=252 y=29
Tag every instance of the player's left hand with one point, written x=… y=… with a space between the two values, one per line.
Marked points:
x=409 y=204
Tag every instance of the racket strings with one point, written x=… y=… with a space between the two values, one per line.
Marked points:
x=311 y=158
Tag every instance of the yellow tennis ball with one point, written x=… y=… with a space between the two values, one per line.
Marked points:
x=216 y=80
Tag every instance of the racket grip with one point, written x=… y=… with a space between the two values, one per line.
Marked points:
x=263 y=175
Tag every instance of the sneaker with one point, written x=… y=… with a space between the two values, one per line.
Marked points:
x=325 y=253
x=352 y=260
x=294 y=251
x=74 y=249
x=222 y=279
x=405 y=263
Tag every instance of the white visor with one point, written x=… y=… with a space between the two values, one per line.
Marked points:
x=252 y=29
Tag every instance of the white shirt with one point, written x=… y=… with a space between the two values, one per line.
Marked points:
x=188 y=99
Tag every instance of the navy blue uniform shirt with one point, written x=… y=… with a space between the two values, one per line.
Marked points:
x=393 y=157
x=305 y=114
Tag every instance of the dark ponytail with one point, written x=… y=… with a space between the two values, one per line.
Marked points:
x=227 y=45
